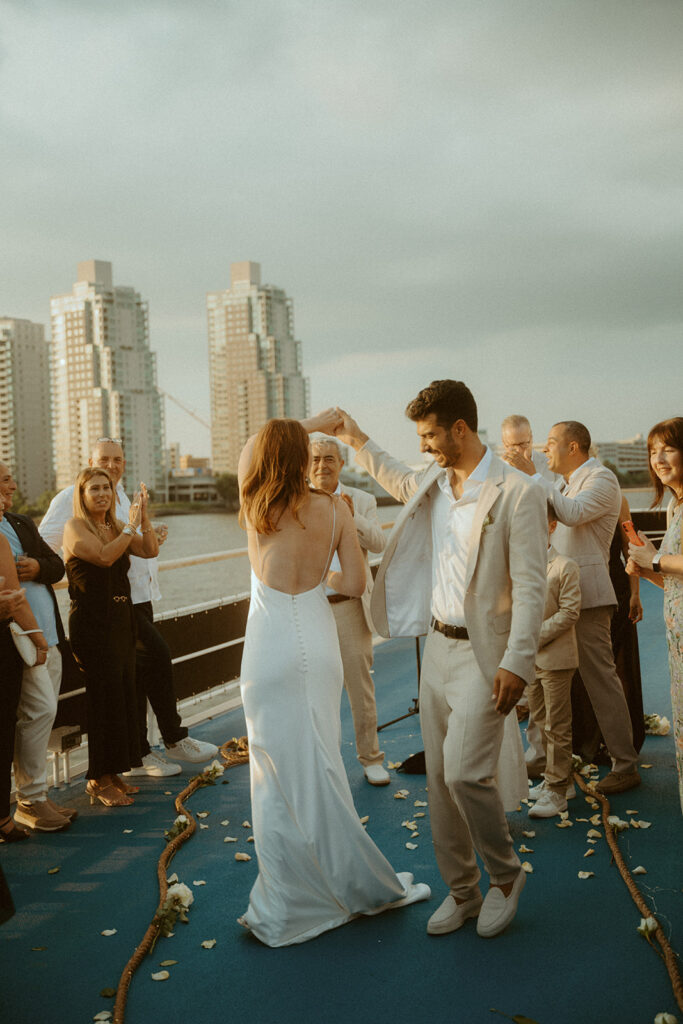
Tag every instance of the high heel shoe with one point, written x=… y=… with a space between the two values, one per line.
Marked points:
x=123 y=786
x=9 y=833
x=109 y=796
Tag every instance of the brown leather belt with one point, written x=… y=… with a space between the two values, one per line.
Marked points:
x=452 y=632
x=336 y=598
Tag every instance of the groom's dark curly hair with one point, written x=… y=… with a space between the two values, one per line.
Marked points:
x=449 y=400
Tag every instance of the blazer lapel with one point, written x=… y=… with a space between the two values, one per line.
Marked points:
x=489 y=493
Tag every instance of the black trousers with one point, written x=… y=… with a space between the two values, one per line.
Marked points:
x=154 y=680
x=11 y=669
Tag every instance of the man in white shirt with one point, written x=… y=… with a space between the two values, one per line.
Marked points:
x=587 y=505
x=154 y=670
x=352 y=614
x=468 y=553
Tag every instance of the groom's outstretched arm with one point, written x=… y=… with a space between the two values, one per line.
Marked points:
x=394 y=476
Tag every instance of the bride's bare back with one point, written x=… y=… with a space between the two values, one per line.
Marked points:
x=296 y=557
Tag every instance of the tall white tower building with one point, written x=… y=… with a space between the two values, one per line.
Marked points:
x=104 y=378
x=255 y=363
x=25 y=421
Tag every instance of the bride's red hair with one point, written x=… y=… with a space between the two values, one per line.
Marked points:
x=276 y=479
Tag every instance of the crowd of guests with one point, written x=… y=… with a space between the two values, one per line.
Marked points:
x=109 y=551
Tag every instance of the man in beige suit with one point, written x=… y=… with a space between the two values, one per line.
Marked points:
x=352 y=614
x=588 y=509
x=550 y=694
x=466 y=563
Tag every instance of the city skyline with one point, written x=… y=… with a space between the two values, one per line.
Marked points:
x=489 y=193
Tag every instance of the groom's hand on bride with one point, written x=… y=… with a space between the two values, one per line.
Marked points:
x=507 y=689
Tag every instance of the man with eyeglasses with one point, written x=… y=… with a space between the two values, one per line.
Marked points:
x=154 y=670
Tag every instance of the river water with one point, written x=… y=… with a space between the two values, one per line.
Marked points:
x=217 y=531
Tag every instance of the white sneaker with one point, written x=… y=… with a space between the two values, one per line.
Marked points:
x=548 y=805
x=536 y=792
x=192 y=750
x=155 y=766
x=377 y=775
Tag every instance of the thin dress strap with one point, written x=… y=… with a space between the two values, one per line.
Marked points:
x=329 y=553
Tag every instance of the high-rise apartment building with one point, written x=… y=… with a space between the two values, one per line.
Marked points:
x=104 y=378
x=254 y=362
x=25 y=421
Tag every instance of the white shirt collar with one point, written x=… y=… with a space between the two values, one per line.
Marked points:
x=476 y=477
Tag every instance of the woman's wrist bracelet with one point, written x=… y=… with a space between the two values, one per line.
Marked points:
x=129 y=530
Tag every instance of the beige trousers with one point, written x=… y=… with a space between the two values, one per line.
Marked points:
x=462 y=735
x=550 y=703
x=35 y=718
x=355 y=643
x=604 y=689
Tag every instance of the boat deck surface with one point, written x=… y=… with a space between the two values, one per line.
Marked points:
x=573 y=953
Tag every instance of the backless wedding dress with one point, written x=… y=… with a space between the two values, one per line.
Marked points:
x=318 y=868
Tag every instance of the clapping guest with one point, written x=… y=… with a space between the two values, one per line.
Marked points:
x=664 y=568
x=12 y=606
x=102 y=625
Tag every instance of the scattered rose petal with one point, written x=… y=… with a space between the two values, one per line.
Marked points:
x=419 y=814
x=364 y=819
x=202 y=826
x=596 y=819
x=242 y=856
x=530 y=834
x=166 y=963
x=250 y=839
x=594 y=834
x=564 y=824
x=108 y=931
x=666 y=1018
x=644 y=824
x=408 y=824
x=414 y=835
x=526 y=866
x=586 y=874
x=582 y=819
x=108 y=993
x=525 y=849
x=161 y=976
x=420 y=803
x=640 y=870
x=52 y=871
x=411 y=846
x=199 y=882
x=172 y=878
x=591 y=841
x=646 y=766
x=616 y=822
x=401 y=794
x=589 y=853
x=127 y=831
x=203 y=814
x=167 y=792
x=246 y=824
x=103 y=1015
x=226 y=822
x=208 y=943
x=632 y=812
x=230 y=839
x=394 y=764
x=527 y=802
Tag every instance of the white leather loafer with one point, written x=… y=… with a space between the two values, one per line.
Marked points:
x=451 y=915
x=497 y=910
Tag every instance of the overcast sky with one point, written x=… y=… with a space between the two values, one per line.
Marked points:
x=482 y=190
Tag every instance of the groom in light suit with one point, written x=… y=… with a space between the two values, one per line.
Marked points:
x=466 y=563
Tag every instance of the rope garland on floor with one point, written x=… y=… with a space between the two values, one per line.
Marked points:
x=233 y=752
x=668 y=955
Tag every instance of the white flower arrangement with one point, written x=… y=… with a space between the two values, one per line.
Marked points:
x=657 y=725
x=212 y=772
x=179 y=826
x=179 y=899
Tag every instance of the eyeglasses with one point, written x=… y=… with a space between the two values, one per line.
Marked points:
x=113 y=440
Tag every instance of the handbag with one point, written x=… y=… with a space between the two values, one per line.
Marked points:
x=28 y=652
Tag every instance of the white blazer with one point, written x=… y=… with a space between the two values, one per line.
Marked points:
x=506 y=566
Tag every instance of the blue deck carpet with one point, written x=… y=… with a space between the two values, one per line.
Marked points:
x=572 y=955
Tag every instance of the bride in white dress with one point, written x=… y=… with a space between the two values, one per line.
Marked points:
x=318 y=868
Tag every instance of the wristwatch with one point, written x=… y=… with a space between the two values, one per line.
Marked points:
x=655 y=562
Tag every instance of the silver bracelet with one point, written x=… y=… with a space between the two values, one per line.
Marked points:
x=128 y=530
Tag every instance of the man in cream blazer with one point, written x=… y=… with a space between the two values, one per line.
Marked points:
x=352 y=614
x=587 y=508
x=466 y=563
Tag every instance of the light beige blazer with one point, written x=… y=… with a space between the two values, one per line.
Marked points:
x=588 y=511
x=506 y=565
x=557 y=646
x=371 y=536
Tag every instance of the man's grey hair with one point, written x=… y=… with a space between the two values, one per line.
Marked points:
x=515 y=421
x=328 y=442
